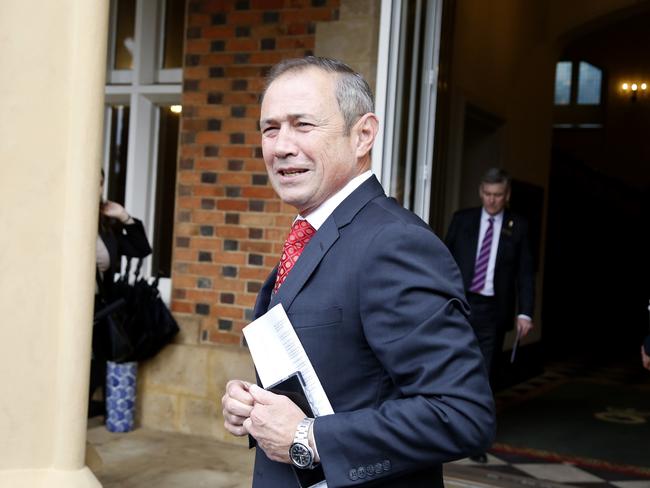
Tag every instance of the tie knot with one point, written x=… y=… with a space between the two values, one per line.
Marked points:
x=491 y=220
x=301 y=231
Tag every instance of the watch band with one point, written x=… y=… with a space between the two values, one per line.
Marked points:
x=302 y=456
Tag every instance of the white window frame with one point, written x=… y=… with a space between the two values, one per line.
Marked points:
x=144 y=89
x=388 y=97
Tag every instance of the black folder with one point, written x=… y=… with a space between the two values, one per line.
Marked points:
x=293 y=387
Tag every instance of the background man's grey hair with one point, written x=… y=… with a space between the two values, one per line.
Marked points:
x=352 y=91
x=496 y=175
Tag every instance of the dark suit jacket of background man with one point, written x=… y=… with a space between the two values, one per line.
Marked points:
x=377 y=302
x=513 y=270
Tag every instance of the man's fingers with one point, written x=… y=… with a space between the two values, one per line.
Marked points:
x=239 y=390
x=233 y=406
x=260 y=395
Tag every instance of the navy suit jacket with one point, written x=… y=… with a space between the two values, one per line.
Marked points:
x=377 y=302
x=513 y=272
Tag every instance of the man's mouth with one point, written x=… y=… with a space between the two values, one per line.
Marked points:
x=291 y=172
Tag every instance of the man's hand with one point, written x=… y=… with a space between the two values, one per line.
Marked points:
x=524 y=326
x=237 y=405
x=273 y=422
x=645 y=359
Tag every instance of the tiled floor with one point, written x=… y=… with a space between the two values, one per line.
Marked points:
x=507 y=466
x=505 y=463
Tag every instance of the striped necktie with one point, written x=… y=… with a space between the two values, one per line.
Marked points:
x=480 y=268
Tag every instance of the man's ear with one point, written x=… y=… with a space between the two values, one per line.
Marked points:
x=365 y=131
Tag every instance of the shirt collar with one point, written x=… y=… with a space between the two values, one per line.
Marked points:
x=497 y=217
x=320 y=215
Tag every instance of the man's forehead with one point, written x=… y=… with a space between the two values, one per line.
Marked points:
x=493 y=187
x=298 y=94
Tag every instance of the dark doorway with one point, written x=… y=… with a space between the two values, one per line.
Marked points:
x=596 y=289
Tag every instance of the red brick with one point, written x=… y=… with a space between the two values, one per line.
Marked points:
x=229 y=312
x=245 y=17
x=312 y=14
x=212 y=138
x=243 y=44
x=182 y=307
x=258 y=192
x=243 y=72
x=219 y=31
x=239 y=98
x=267 y=4
x=208 y=191
x=258 y=274
x=256 y=246
x=230 y=231
x=234 y=205
x=296 y=43
x=236 y=152
x=197 y=46
x=234 y=178
x=219 y=337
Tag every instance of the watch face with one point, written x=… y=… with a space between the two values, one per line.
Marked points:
x=301 y=456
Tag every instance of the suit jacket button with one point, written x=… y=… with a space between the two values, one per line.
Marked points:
x=386 y=465
x=353 y=475
x=370 y=469
x=361 y=471
x=379 y=468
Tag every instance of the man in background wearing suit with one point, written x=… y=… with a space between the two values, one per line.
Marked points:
x=374 y=297
x=490 y=245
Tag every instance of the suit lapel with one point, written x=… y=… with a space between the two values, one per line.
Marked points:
x=323 y=240
x=504 y=235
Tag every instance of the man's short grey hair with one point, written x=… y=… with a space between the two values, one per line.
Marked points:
x=352 y=92
x=496 y=175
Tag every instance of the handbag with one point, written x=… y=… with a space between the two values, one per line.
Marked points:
x=151 y=322
x=136 y=324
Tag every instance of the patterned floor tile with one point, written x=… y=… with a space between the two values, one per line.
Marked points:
x=561 y=473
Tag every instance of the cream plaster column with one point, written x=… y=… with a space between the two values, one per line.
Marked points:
x=52 y=55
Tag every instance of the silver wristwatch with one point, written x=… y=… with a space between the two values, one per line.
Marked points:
x=302 y=456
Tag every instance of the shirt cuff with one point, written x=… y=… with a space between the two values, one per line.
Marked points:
x=524 y=316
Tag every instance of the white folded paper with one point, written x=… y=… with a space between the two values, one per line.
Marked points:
x=278 y=353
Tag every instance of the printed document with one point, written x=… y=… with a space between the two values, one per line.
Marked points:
x=278 y=353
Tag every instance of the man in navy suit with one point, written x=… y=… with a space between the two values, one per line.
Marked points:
x=375 y=299
x=490 y=245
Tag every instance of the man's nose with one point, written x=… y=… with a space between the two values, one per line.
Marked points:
x=285 y=144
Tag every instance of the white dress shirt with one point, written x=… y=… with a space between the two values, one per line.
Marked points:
x=319 y=216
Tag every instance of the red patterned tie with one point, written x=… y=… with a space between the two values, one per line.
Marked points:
x=301 y=233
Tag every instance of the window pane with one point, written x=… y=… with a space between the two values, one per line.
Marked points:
x=124 y=34
x=165 y=192
x=174 y=22
x=119 y=145
x=563 y=83
x=589 y=83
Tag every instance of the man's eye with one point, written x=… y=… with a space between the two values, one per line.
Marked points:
x=269 y=130
x=304 y=124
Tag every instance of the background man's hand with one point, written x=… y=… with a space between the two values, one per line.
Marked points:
x=524 y=326
x=645 y=359
x=237 y=405
x=273 y=422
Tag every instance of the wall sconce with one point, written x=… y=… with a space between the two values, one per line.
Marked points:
x=634 y=89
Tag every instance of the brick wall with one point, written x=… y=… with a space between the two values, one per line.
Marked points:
x=229 y=224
